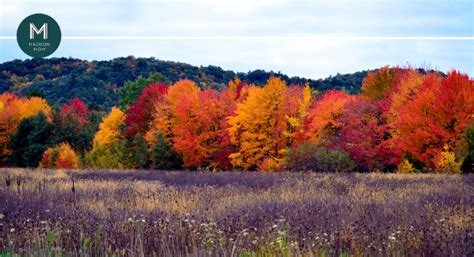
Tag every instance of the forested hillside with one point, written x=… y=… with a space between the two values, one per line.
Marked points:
x=59 y=80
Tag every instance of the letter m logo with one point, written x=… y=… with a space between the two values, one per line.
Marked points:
x=34 y=30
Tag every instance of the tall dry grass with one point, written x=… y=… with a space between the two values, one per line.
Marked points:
x=150 y=213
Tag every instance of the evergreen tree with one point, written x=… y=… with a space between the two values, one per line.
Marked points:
x=163 y=155
x=31 y=139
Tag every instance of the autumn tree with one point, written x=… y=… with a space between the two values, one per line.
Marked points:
x=366 y=136
x=200 y=121
x=378 y=85
x=323 y=117
x=260 y=125
x=405 y=90
x=133 y=89
x=9 y=119
x=12 y=111
x=75 y=124
x=437 y=116
x=110 y=150
x=140 y=112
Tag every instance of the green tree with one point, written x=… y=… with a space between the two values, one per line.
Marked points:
x=140 y=153
x=468 y=162
x=132 y=89
x=163 y=155
x=310 y=157
x=31 y=139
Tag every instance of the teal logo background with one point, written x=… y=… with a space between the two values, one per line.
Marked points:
x=38 y=35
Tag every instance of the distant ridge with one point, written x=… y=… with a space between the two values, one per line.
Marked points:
x=96 y=82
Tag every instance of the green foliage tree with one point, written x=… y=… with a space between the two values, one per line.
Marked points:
x=163 y=156
x=113 y=156
x=141 y=157
x=80 y=136
x=31 y=139
x=468 y=162
x=310 y=157
x=132 y=89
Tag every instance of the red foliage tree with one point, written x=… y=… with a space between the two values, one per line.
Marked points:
x=76 y=109
x=140 y=113
x=437 y=116
x=365 y=135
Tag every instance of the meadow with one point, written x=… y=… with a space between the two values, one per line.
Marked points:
x=153 y=213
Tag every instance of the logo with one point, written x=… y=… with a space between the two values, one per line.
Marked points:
x=38 y=35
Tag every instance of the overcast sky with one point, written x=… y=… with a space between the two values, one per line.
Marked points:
x=295 y=55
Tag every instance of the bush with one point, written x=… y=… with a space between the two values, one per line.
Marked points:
x=309 y=157
x=61 y=156
x=113 y=156
x=405 y=167
x=446 y=162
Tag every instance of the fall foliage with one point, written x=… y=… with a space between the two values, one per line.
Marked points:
x=14 y=109
x=403 y=121
x=323 y=117
x=61 y=157
x=140 y=113
x=437 y=116
x=109 y=129
x=261 y=125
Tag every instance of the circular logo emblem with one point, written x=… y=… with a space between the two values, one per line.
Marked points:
x=38 y=35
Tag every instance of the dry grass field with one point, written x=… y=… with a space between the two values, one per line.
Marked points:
x=151 y=213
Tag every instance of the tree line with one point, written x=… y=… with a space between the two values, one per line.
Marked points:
x=404 y=120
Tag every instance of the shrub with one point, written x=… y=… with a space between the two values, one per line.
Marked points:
x=61 y=156
x=310 y=157
x=446 y=162
x=113 y=156
x=405 y=167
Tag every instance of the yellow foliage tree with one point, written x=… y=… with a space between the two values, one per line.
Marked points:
x=447 y=163
x=109 y=129
x=108 y=151
x=377 y=85
x=31 y=106
x=260 y=125
x=405 y=167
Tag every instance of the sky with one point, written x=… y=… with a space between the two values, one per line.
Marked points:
x=313 y=39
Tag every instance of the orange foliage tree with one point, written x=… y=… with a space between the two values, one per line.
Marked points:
x=200 y=119
x=260 y=126
x=436 y=117
x=323 y=118
x=12 y=110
